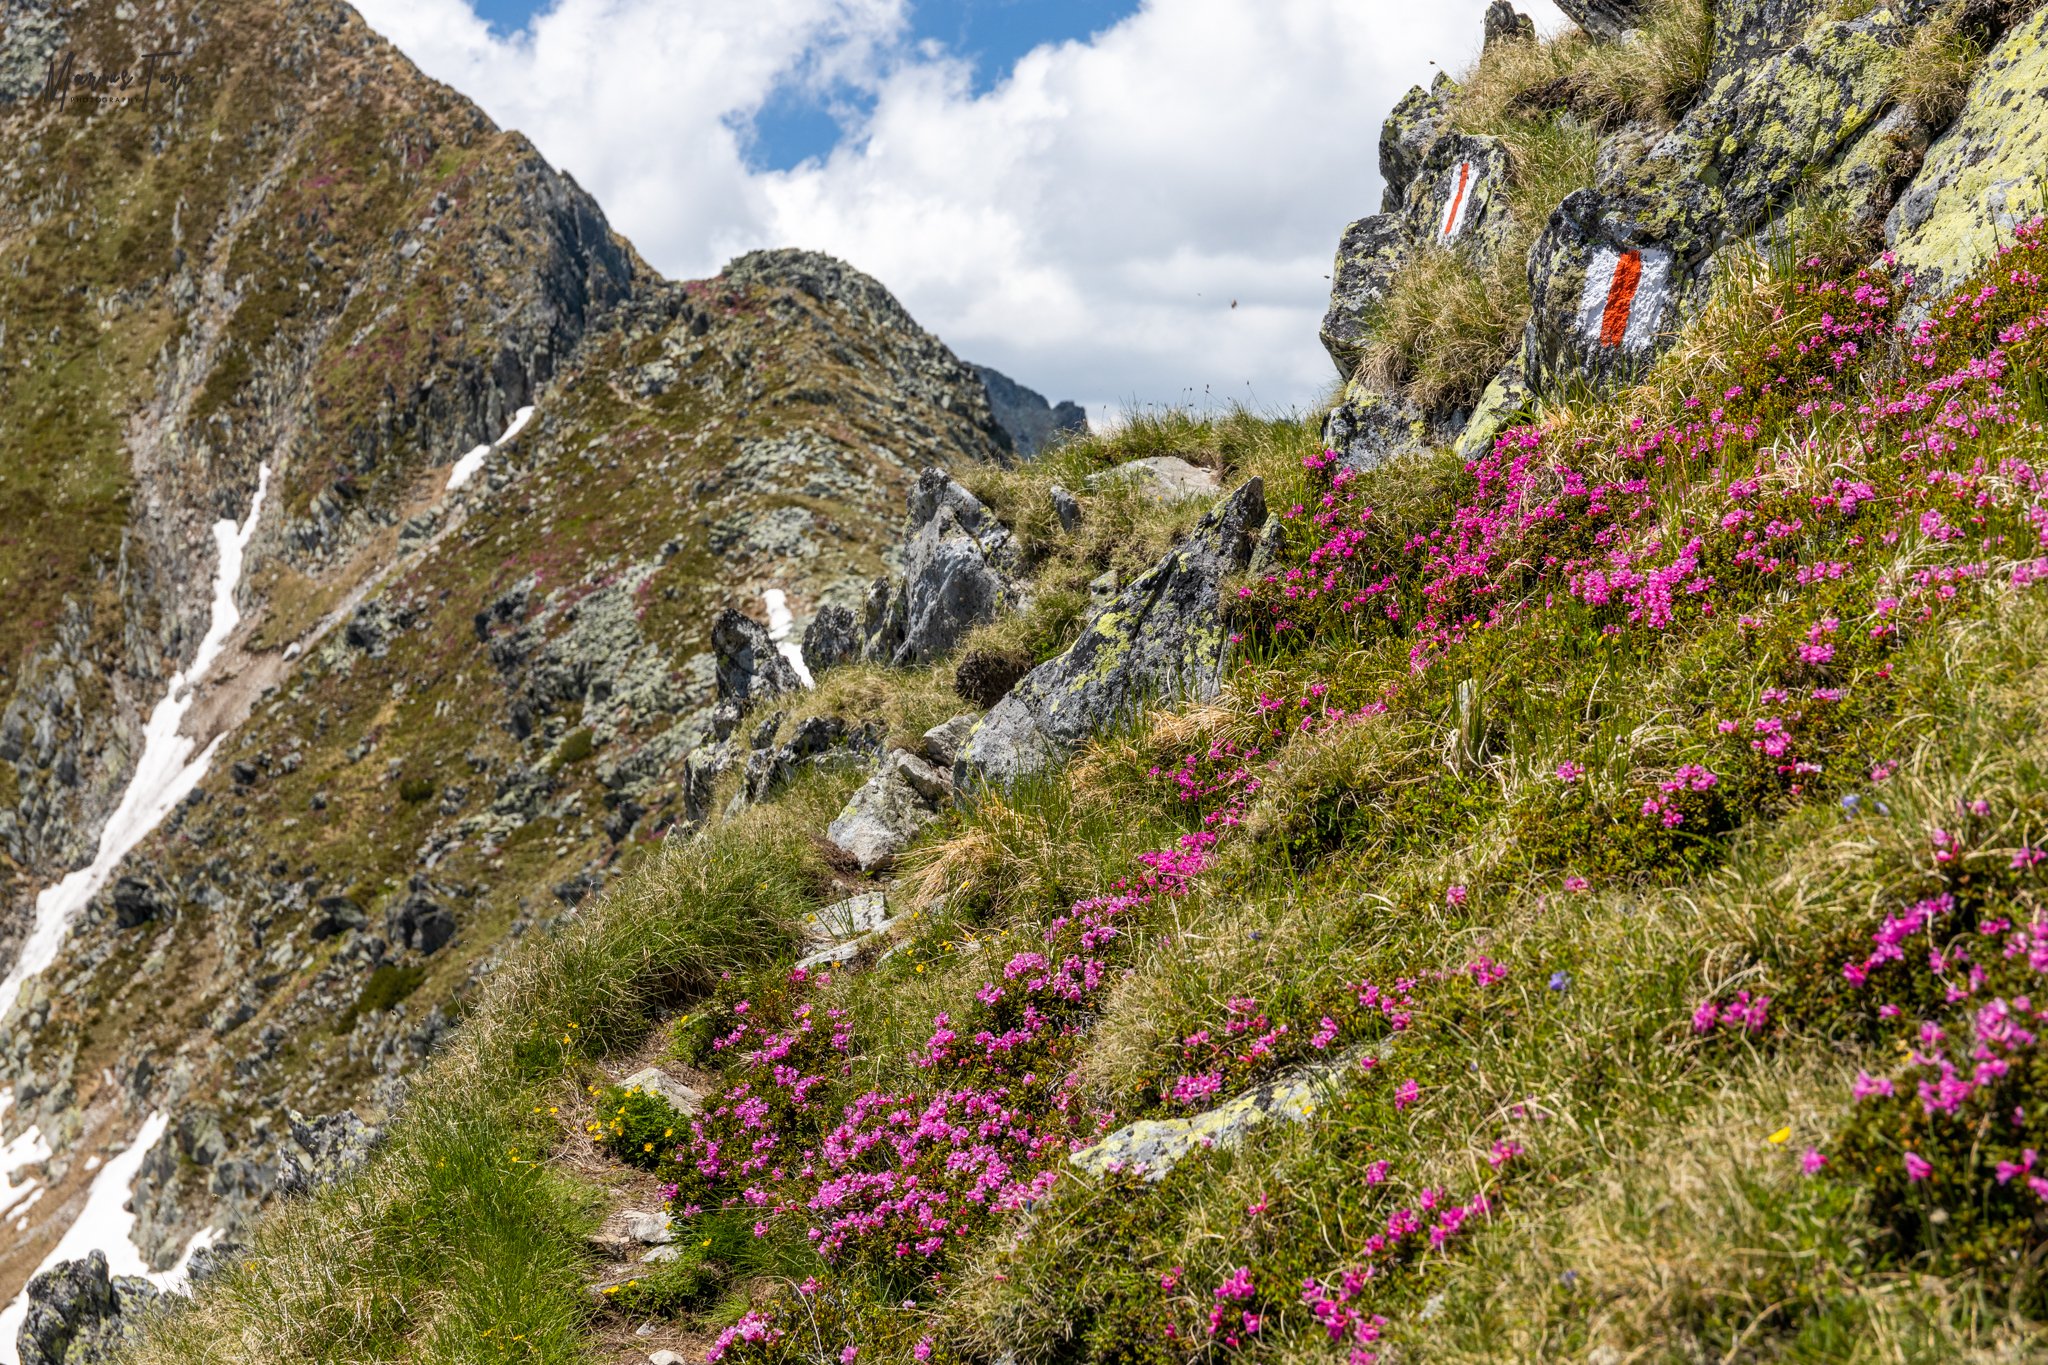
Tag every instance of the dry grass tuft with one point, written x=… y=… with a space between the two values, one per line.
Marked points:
x=1937 y=66
x=1446 y=328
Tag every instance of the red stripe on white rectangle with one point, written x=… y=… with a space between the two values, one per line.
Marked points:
x=1460 y=185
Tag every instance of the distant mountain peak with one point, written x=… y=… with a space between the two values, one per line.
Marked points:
x=1031 y=422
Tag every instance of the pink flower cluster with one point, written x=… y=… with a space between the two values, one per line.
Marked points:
x=1750 y=1014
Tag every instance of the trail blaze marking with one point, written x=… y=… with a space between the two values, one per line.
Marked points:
x=1621 y=299
x=1626 y=298
x=1454 y=221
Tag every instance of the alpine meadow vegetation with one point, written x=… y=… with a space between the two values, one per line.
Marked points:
x=1638 y=830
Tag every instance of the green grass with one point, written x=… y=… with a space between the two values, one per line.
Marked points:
x=462 y=1243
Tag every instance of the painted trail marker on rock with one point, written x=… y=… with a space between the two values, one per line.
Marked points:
x=1627 y=296
x=1458 y=190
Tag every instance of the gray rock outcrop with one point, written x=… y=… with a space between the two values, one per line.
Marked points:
x=750 y=667
x=942 y=743
x=80 y=1315
x=1164 y=637
x=1504 y=23
x=818 y=741
x=1608 y=19
x=831 y=639
x=958 y=569
x=331 y=1147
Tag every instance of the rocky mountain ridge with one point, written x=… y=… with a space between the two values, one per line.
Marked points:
x=450 y=713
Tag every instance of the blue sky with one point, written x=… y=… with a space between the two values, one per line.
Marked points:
x=795 y=126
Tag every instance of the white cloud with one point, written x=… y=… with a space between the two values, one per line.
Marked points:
x=1085 y=225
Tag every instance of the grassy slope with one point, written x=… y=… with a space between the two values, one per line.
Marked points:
x=1650 y=1202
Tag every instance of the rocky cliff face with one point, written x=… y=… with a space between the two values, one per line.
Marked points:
x=456 y=704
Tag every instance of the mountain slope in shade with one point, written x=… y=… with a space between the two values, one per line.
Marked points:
x=447 y=714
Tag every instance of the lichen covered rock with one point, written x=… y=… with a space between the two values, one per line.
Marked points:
x=80 y=1315
x=1615 y=269
x=1369 y=427
x=1163 y=637
x=1151 y=1148
x=1409 y=133
x=1984 y=176
x=1372 y=253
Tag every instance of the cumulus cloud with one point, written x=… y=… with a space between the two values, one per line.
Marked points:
x=1144 y=216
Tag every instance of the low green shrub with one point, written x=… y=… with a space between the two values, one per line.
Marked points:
x=635 y=1126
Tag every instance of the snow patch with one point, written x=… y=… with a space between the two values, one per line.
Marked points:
x=470 y=465
x=164 y=775
x=781 y=622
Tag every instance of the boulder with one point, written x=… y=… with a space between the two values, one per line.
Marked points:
x=137 y=902
x=850 y=918
x=750 y=667
x=950 y=588
x=1369 y=427
x=817 y=741
x=702 y=768
x=334 y=916
x=1504 y=399
x=80 y=1315
x=655 y=1081
x=1760 y=132
x=840 y=933
x=1150 y=1148
x=1066 y=508
x=1410 y=133
x=1603 y=299
x=1982 y=178
x=1454 y=197
x=419 y=923
x=832 y=639
x=1163 y=638
x=1372 y=253
x=1163 y=478
x=1506 y=24
x=1617 y=268
x=889 y=810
